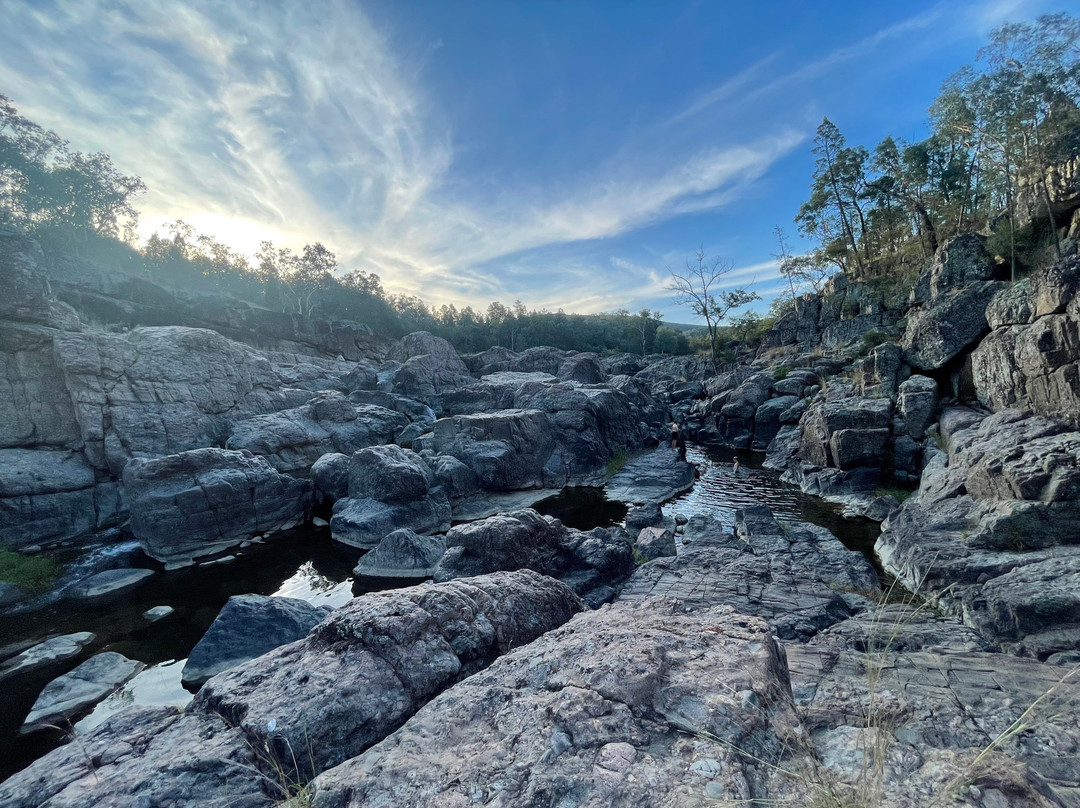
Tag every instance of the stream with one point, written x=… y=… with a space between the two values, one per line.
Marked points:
x=307 y=564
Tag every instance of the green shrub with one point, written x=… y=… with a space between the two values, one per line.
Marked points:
x=899 y=494
x=872 y=339
x=781 y=373
x=32 y=573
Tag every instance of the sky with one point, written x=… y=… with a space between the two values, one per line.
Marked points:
x=564 y=153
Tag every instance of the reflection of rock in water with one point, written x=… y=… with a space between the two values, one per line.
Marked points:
x=582 y=508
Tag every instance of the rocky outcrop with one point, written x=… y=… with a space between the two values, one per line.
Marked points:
x=347 y=685
x=248 y=626
x=292 y=440
x=1031 y=360
x=846 y=432
x=990 y=534
x=389 y=488
x=198 y=503
x=653 y=477
x=430 y=366
x=940 y=330
x=573 y=721
x=584 y=368
x=48 y=652
x=591 y=562
x=793 y=578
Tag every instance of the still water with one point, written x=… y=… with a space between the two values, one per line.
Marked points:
x=306 y=564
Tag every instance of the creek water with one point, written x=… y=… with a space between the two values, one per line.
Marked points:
x=307 y=564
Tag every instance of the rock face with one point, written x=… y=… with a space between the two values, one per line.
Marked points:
x=198 y=503
x=938 y=331
x=347 y=685
x=73 y=693
x=581 y=722
x=846 y=432
x=292 y=440
x=389 y=488
x=506 y=450
x=1032 y=358
x=49 y=496
x=990 y=534
x=247 y=627
x=590 y=562
x=653 y=477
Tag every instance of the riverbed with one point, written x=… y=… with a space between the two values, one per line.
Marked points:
x=307 y=564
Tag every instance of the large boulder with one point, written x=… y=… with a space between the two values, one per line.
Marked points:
x=864 y=423
x=247 y=627
x=36 y=409
x=506 y=450
x=768 y=420
x=389 y=488
x=292 y=440
x=584 y=368
x=198 y=503
x=917 y=403
x=940 y=330
x=587 y=561
x=330 y=474
x=430 y=366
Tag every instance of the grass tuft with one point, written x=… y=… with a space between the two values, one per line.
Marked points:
x=32 y=573
x=615 y=465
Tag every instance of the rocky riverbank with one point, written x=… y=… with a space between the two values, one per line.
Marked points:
x=663 y=661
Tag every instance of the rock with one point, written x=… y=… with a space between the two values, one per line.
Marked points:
x=768 y=420
x=47 y=496
x=365 y=670
x=9 y=594
x=389 y=474
x=784 y=448
x=584 y=368
x=389 y=488
x=762 y=579
x=198 y=503
x=366 y=522
x=879 y=372
x=939 y=331
x=330 y=474
x=864 y=421
x=960 y=261
x=618 y=720
x=378 y=659
x=642 y=516
x=73 y=693
x=35 y=406
x=747 y=397
x=48 y=652
x=292 y=440
x=654 y=477
x=170 y=390
x=506 y=450
x=158 y=613
x=108 y=584
x=655 y=542
x=1034 y=367
x=414 y=410
x=907 y=456
x=457 y=479
x=790 y=386
x=430 y=367
x=403 y=554
x=917 y=403
x=526 y=540
x=249 y=626
x=849 y=448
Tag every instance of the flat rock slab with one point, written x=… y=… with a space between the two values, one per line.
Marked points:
x=403 y=554
x=49 y=652
x=653 y=477
x=74 y=692
x=615 y=708
x=158 y=613
x=108 y=584
x=485 y=505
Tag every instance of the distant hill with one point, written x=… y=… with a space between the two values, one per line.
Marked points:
x=684 y=326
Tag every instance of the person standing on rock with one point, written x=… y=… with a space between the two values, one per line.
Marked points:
x=674 y=434
x=680 y=443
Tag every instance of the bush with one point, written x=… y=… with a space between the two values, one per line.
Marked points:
x=781 y=373
x=872 y=339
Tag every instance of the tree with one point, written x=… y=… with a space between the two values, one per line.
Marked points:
x=647 y=323
x=699 y=288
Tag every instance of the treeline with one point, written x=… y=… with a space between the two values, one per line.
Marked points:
x=81 y=204
x=998 y=128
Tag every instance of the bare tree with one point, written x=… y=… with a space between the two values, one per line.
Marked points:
x=698 y=287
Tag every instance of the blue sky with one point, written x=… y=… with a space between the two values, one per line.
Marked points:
x=565 y=153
